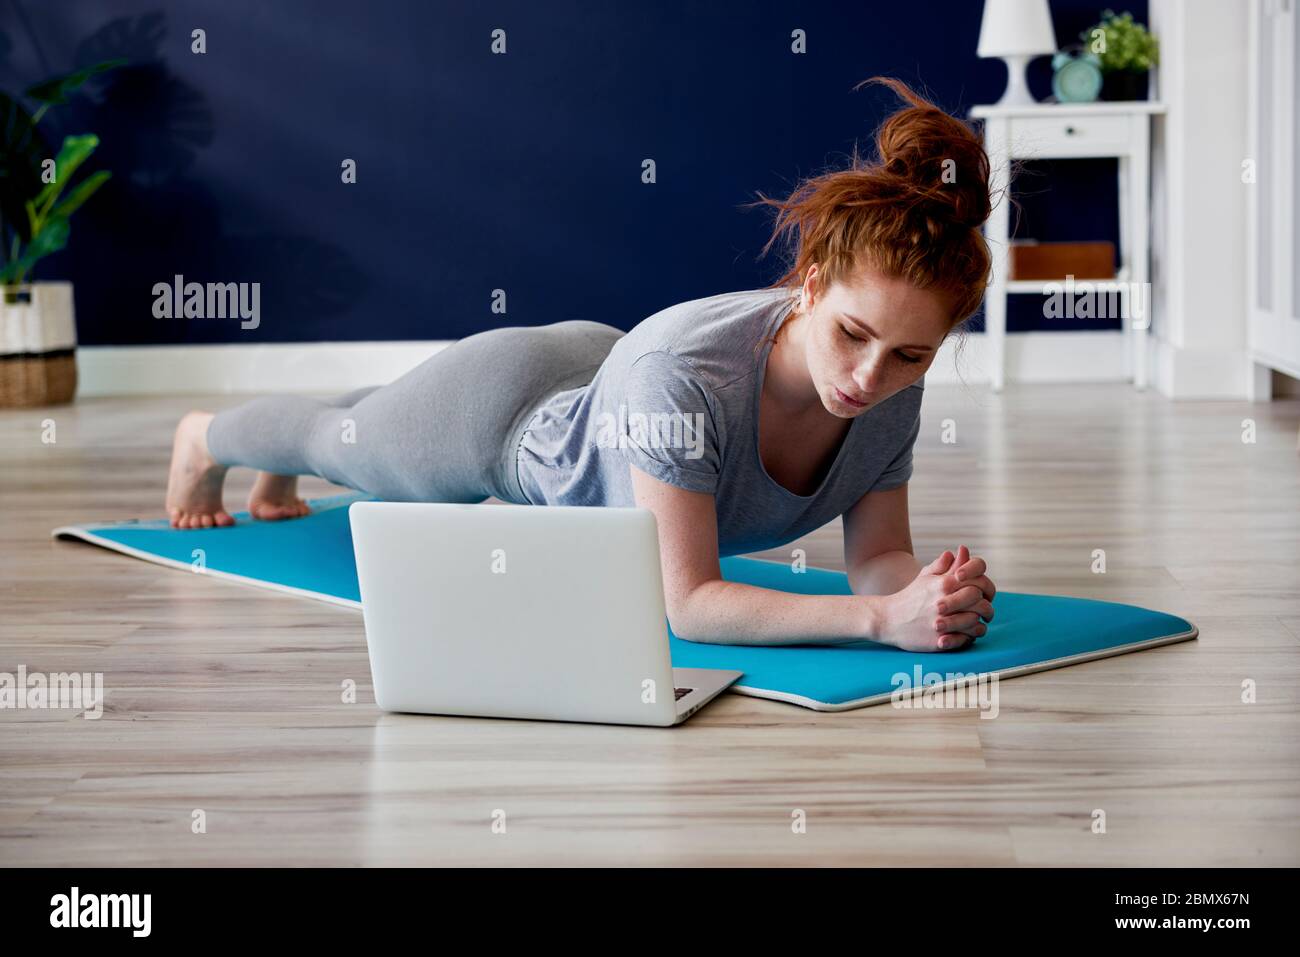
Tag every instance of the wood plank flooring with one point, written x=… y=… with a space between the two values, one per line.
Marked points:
x=226 y=700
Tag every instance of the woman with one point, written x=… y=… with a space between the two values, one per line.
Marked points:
x=743 y=420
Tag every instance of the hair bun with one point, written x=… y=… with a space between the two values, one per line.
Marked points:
x=936 y=160
x=913 y=211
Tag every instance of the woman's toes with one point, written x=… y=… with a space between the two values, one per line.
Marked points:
x=278 y=510
x=221 y=519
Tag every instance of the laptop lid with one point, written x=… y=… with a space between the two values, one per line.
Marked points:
x=510 y=611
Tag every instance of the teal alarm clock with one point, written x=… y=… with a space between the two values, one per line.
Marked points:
x=1076 y=77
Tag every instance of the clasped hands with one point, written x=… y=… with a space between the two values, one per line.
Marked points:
x=944 y=608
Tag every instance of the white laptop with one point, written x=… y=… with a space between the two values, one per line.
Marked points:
x=511 y=611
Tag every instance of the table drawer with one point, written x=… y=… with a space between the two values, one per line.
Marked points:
x=1071 y=135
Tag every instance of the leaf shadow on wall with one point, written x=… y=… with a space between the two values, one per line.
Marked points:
x=155 y=218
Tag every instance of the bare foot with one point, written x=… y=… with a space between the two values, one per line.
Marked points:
x=194 y=481
x=275 y=497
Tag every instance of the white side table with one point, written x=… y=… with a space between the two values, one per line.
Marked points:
x=1071 y=131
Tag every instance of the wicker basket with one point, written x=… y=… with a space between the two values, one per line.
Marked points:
x=38 y=380
x=38 y=362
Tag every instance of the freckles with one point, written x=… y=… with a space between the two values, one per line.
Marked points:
x=846 y=359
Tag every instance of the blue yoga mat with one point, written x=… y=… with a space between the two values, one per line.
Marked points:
x=312 y=557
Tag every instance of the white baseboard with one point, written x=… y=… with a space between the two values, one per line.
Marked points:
x=311 y=367
x=1196 y=374
x=1037 y=358
x=330 y=367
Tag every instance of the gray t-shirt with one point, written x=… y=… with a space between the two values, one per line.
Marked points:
x=678 y=398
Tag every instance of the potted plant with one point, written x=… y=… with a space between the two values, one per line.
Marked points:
x=39 y=192
x=1127 y=53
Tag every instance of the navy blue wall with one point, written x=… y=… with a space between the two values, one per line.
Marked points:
x=475 y=171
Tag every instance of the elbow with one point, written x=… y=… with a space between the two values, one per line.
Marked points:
x=679 y=620
x=683 y=615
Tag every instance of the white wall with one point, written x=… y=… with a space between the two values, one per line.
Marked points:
x=1199 y=266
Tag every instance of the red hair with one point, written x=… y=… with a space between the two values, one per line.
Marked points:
x=914 y=212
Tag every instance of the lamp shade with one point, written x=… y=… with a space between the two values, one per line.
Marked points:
x=1016 y=28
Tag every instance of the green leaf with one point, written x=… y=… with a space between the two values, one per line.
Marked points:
x=74 y=152
x=85 y=189
x=52 y=237
x=58 y=89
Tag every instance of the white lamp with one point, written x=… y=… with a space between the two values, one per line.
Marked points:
x=1017 y=31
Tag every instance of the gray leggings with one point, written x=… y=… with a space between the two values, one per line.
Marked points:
x=447 y=431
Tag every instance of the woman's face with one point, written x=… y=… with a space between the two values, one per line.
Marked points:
x=871 y=338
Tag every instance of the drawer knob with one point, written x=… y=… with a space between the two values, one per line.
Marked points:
x=1069 y=131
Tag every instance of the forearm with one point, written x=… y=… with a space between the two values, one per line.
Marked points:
x=724 y=612
x=884 y=574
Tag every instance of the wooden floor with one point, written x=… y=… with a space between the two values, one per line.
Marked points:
x=227 y=699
